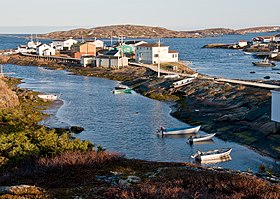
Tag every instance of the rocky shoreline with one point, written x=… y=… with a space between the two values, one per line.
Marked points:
x=113 y=176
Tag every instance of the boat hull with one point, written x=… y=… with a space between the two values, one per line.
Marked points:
x=48 y=97
x=263 y=64
x=201 y=139
x=121 y=91
x=181 y=131
x=213 y=155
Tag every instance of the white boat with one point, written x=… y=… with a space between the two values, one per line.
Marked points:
x=247 y=53
x=48 y=97
x=212 y=155
x=264 y=62
x=200 y=138
x=171 y=76
x=183 y=82
x=180 y=130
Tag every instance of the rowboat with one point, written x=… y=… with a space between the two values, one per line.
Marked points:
x=212 y=155
x=265 y=62
x=180 y=130
x=48 y=97
x=121 y=90
x=183 y=82
x=200 y=138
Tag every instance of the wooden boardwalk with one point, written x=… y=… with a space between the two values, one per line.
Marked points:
x=233 y=81
x=53 y=58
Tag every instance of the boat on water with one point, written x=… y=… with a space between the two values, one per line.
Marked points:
x=183 y=82
x=247 y=53
x=121 y=90
x=180 y=130
x=48 y=97
x=213 y=154
x=264 y=62
x=200 y=138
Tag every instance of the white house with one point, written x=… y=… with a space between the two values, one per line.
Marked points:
x=275 y=106
x=98 y=43
x=276 y=38
x=111 y=61
x=45 y=50
x=60 y=44
x=152 y=53
x=242 y=43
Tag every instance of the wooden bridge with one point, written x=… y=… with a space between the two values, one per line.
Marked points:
x=54 y=58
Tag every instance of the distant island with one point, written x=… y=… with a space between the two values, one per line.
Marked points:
x=137 y=31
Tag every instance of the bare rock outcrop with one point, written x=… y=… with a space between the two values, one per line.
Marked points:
x=8 y=98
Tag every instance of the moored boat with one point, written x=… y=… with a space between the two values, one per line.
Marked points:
x=212 y=155
x=183 y=82
x=180 y=130
x=120 y=90
x=264 y=62
x=48 y=97
x=199 y=138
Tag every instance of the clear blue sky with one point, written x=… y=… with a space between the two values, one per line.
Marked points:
x=39 y=16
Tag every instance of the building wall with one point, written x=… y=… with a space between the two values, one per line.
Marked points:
x=58 y=45
x=111 y=62
x=144 y=55
x=68 y=43
x=275 y=106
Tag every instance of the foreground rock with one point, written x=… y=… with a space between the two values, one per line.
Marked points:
x=8 y=98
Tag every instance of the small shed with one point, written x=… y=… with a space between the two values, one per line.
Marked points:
x=111 y=61
x=88 y=60
x=275 y=106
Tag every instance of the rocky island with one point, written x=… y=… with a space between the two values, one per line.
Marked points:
x=137 y=31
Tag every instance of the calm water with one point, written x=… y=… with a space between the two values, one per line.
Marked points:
x=125 y=123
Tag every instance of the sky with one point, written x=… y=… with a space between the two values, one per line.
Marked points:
x=42 y=16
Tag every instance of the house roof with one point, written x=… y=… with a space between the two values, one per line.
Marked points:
x=150 y=45
x=112 y=52
x=277 y=35
x=132 y=42
x=172 y=51
x=108 y=57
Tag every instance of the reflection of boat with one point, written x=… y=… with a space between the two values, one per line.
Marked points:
x=120 y=90
x=180 y=130
x=222 y=159
x=265 y=62
x=182 y=82
x=48 y=97
x=212 y=155
x=199 y=138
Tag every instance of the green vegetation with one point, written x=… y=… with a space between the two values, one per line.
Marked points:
x=22 y=138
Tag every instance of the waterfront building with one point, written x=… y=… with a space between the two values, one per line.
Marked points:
x=45 y=50
x=80 y=49
x=60 y=44
x=88 y=60
x=275 y=106
x=98 y=43
x=111 y=61
x=152 y=53
x=276 y=38
x=242 y=43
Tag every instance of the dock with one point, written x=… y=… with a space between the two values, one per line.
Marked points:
x=233 y=81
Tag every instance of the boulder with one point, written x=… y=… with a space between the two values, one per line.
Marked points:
x=76 y=129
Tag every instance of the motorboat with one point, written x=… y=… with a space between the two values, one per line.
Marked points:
x=48 y=97
x=264 y=62
x=212 y=155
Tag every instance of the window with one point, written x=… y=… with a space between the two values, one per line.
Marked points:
x=155 y=55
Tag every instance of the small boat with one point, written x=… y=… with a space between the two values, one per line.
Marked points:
x=183 y=82
x=180 y=130
x=265 y=62
x=199 y=138
x=48 y=97
x=120 y=90
x=212 y=155
x=247 y=53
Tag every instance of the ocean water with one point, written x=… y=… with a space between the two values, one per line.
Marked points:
x=127 y=123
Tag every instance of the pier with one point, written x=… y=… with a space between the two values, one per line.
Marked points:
x=54 y=58
x=233 y=81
